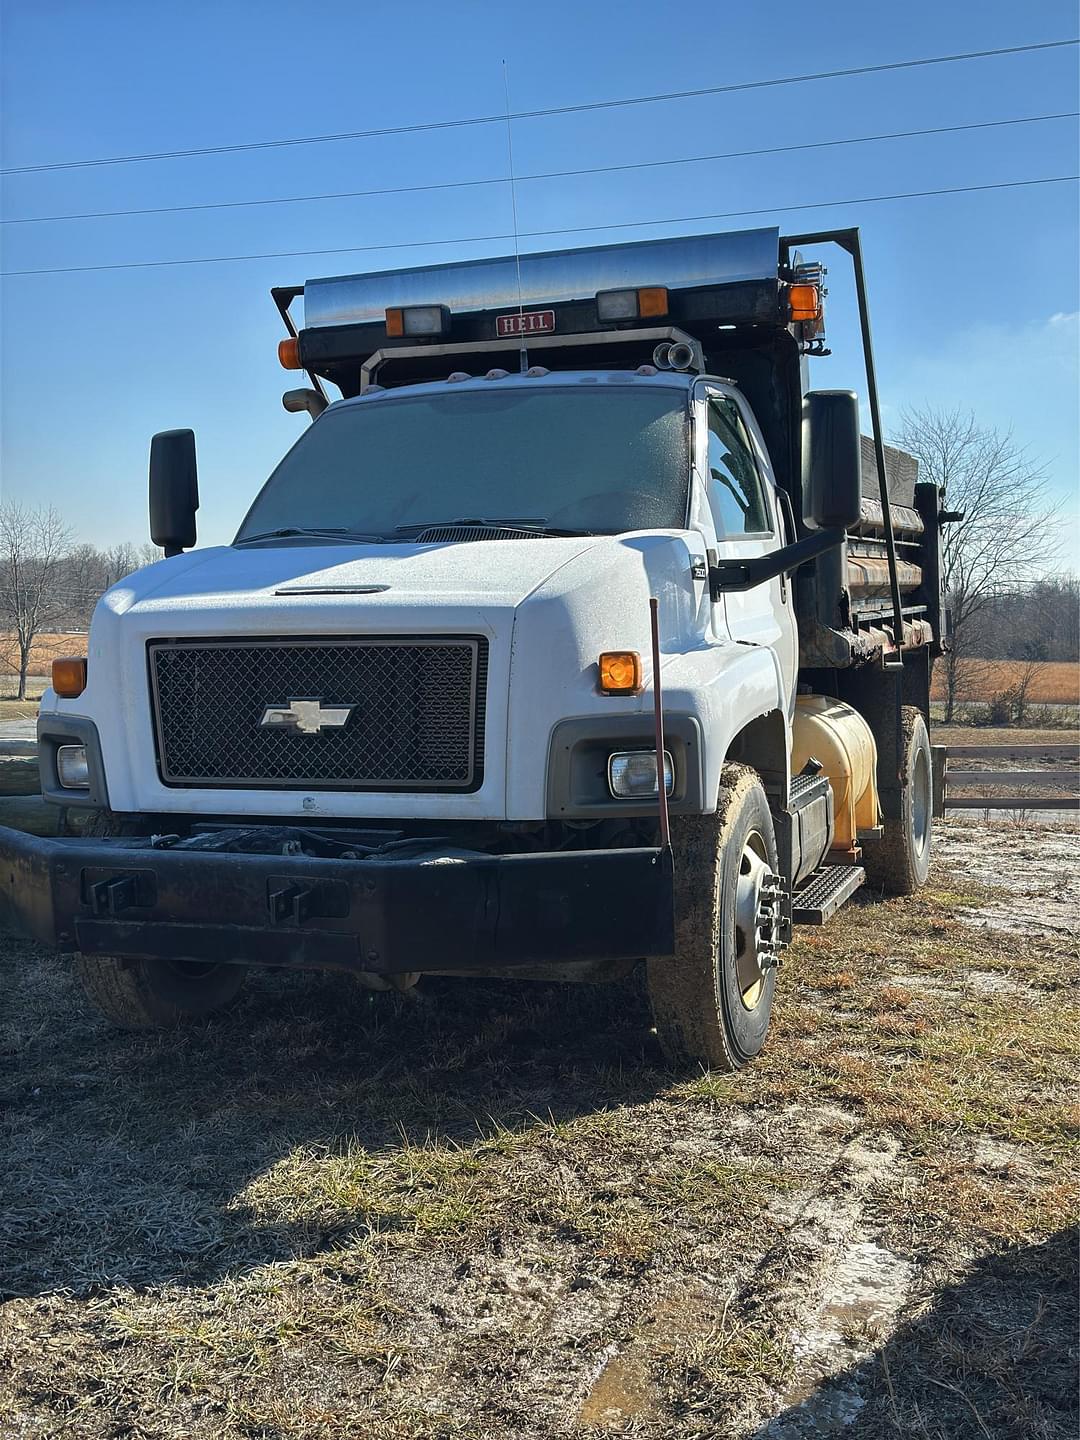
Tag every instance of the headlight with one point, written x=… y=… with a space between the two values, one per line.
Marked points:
x=632 y=773
x=71 y=768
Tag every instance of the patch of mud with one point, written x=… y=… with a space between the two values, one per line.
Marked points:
x=987 y=982
x=927 y=984
x=622 y=1389
x=1035 y=865
x=999 y=1157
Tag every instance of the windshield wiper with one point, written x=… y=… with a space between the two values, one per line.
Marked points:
x=335 y=532
x=532 y=525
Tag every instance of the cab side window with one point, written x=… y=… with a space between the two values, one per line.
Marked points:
x=736 y=492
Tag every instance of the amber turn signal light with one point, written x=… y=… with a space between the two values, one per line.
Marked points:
x=652 y=301
x=805 y=302
x=288 y=352
x=620 y=672
x=69 y=676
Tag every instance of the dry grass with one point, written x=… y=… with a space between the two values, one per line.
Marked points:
x=1004 y=735
x=12 y=709
x=1054 y=682
x=46 y=647
x=493 y=1213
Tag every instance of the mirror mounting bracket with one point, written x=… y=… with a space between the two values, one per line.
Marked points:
x=747 y=574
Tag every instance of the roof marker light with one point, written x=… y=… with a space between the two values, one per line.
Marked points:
x=417 y=320
x=632 y=304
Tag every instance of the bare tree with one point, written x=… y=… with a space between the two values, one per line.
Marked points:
x=33 y=544
x=1007 y=533
x=1021 y=688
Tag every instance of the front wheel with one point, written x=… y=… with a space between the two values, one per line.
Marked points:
x=899 y=862
x=151 y=994
x=712 y=1001
x=156 y=994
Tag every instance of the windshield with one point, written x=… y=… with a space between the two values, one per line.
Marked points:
x=584 y=459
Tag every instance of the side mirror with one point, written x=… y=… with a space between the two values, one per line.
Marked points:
x=174 y=490
x=832 y=460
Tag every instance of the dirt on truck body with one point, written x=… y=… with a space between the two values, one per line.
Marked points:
x=511 y=1220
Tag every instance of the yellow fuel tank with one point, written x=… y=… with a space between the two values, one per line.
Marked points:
x=833 y=733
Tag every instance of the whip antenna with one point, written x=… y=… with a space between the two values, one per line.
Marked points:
x=524 y=352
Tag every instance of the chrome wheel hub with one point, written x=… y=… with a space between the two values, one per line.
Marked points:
x=758 y=918
x=922 y=802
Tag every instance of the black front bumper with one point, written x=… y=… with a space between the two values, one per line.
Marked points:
x=385 y=913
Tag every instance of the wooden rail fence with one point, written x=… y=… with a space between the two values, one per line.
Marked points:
x=22 y=806
x=1031 y=780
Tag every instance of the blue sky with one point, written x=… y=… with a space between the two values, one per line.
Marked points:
x=974 y=297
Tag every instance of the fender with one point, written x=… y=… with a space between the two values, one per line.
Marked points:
x=727 y=686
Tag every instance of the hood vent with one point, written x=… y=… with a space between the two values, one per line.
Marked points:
x=444 y=534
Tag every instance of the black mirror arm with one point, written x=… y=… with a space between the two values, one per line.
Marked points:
x=746 y=574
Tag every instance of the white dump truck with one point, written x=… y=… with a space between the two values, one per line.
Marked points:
x=577 y=633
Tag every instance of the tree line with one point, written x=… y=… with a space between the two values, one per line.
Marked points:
x=1002 y=598
x=48 y=583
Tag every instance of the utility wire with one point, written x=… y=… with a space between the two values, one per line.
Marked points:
x=537 y=234
x=500 y=119
x=539 y=175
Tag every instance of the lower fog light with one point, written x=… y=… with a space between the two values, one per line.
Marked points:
x=632 y=773
x=71 y=768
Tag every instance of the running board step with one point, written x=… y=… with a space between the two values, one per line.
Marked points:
x=823 y=894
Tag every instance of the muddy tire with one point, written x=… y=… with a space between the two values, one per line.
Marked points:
x=151 y=994
x=713 y=1001
x=899 y=862
x=156 y=994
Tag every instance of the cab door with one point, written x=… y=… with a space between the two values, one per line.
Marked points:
x=746 y=516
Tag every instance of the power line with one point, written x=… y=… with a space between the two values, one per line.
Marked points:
x=539 y=175
x=537 y=234
x=500 y=119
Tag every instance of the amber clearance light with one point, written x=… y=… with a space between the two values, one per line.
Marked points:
x=288 y=353
x=620 y=672
x=805 y=302
x=69 y=676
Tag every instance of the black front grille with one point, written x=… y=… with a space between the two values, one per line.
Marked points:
x=415 y=716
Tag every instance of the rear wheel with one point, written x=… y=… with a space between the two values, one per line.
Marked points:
x=899 y=862
x=712 y=1002
x=152 y=994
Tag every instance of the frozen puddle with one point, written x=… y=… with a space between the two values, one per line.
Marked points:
x=858 y=1288
x=863 y=1295
x=865 y=1292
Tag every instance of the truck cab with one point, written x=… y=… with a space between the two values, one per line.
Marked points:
x=565 y=640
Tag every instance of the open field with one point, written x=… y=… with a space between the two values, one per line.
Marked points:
x=47 y=646
x=490 y=1212
x=1054 y=682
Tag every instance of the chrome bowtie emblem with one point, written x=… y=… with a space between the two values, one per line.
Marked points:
x=309 y=717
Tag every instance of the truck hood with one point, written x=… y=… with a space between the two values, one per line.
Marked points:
x=498 y=573
x=544 y=607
